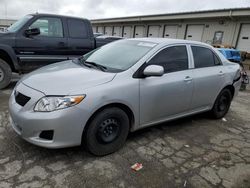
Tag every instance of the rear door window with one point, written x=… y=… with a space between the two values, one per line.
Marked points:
x=77 y=28
x=204 y=57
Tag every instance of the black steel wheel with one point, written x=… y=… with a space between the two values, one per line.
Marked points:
x=107 y=131
x=222 y=104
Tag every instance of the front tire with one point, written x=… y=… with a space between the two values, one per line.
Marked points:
x=222 y=104
x=107 y=132
x=5 y=74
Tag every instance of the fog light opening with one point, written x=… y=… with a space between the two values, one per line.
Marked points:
x=47 y=135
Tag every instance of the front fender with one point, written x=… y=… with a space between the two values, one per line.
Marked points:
x=10 y=51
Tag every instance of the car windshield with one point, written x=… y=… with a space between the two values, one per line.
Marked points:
x=120 y=55
x=17 y=25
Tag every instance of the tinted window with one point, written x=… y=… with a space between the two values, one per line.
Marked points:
x=216 y=60
x=204 y=57
x=50 y=27
x=172 y=59
x=77 y=28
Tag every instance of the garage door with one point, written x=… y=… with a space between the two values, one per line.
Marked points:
x=100 y=29
x=127 y=31
x=170 y=31
x=108 y=30
x=117 y=31
x=244 y=38
x=154 y=31
x=194 y=32
x=139 y=31
x=94 y=28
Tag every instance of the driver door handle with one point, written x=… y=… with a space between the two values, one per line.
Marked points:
x=188 y=78
x=61 y=44
x=221 y=73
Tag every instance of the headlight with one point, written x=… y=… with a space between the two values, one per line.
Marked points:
x=52 y=103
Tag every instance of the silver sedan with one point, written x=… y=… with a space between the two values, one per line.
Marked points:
x=127 y=85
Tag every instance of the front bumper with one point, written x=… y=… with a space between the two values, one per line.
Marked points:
x=66 y=124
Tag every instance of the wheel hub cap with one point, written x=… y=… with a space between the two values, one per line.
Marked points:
x=108 y=131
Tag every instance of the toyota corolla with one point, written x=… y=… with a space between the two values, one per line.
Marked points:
x=127 y=85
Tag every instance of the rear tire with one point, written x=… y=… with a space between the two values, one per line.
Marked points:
x=5 y=74
x=107 y=132
x=222 y=104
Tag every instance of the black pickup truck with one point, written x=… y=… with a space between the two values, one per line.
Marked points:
x=40 y=39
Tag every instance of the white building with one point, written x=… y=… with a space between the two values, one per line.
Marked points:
x=227 y=26
x=4 y=23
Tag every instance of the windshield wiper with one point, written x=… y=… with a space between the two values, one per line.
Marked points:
x=101 y=67
x=91 y=64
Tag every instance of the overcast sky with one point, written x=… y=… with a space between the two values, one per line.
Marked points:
x=93 y=9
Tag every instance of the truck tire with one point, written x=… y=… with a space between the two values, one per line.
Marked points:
x=5 y=74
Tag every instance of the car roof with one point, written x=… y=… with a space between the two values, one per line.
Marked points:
x=166 y=41
x=56 y=15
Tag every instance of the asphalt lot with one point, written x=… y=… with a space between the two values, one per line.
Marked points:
x=191 y=152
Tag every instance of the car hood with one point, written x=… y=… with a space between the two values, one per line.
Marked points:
x=65 y=78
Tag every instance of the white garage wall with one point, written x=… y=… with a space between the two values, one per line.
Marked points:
x=179 y=28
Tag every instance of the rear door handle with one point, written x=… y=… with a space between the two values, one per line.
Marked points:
x=188 y=78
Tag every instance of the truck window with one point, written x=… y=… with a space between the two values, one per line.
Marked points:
x=49 y=27
x=77 y=28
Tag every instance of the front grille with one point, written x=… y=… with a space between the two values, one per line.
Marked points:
x=21 y=99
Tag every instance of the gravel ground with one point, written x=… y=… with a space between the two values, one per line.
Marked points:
x=191 y=152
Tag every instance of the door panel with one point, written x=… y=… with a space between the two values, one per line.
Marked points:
x=170 y=31
x=154 y=31
x=194 y=32
x=94 y=29
x=162 y=97
x=127 y=31
x=139 y=31
x=244 y=38
x=48 y=47
x=170 y=94
x=108 y=30
x=100 y=29
x=208 y=82
x=117 y=31
x=208 y=77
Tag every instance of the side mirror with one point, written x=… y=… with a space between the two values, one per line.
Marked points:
x=153 y=70
x=32 y=32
